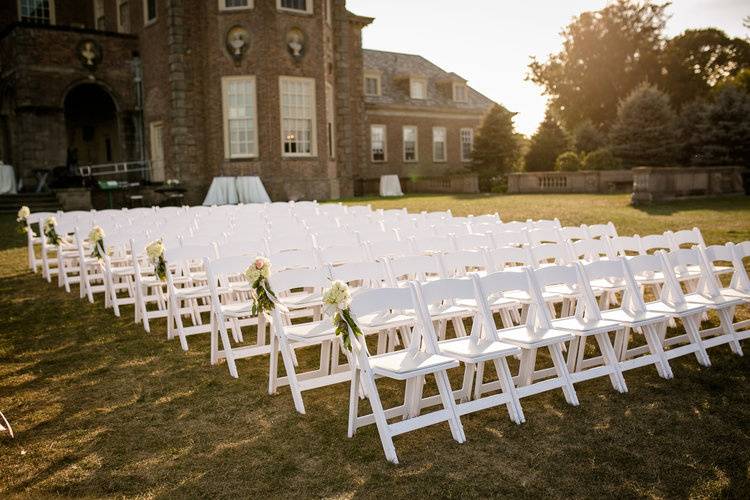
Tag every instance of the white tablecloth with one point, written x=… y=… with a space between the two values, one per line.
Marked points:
x=233 y=190
x=223 y=191
x=251 y=190
x=7 y=180
x=390 y=186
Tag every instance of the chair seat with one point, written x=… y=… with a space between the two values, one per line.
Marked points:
x=523 y=297
x=522 y=337
x=438 y=312
x=578 y=326
x=607 y=285
x=686 y=309
x=564 y=290
x=302 y=300
x=190 y=292
x=734 y=293
x=466 y=350
x=717 y=269
x=650 y=278
x=625 y=318
x=310 y=332
x=401 y=365
x=238 y=310
x=720 y=302
x=379 y=321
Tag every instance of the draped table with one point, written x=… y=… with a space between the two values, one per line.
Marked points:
x=390 y=186
x=7 y=179
x=233 y=190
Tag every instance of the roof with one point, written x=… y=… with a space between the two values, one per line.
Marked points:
x=395 y=68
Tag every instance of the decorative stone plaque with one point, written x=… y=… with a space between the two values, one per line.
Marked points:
x=295 y=43
x=89 y=52
x=238 y=40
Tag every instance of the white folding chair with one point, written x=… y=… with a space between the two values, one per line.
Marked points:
x=35 y=236
x=419 y=359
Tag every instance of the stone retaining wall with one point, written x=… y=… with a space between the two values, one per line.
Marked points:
x=585 y=181
x=667 y=183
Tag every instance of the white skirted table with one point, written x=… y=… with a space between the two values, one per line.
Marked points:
x=7 y=179
x=233 y=190
x=390 y=186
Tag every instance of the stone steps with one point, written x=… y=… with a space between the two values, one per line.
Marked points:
x=37 y=202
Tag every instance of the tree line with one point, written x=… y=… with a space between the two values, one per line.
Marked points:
x=622 y=94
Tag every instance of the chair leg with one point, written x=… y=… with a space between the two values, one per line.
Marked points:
x=379 y=415
x=507 y=389
x=562 y=371
x=353 y=402
x=652 y=339
x=610 y=358
x=692 y=327
x=727 y=324
x=446 y=395
x=286 y=356
x=273 y=365
x=228 y=355
x=469 y=370
x=511 y=387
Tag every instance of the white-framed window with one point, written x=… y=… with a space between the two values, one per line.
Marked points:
x=298 y=127
x=239 y=108
x=372 y=83
x=330 y=126
x=37 y=11
x=459 y=92
x=235 y=4
x=100 y=20
x=303 y=6
x=123 y=16
x=418 y=88
x=149 y=11
x=438 y=144
x=378 y=151
x=410 y=139
x=467 y=143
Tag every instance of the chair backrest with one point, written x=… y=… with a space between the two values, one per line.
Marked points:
x=435 y=244
x=543 y=235
x=291 y=279
x=295 y=259
x=496 y=284
x=501 y=259
x=462 y=262
x=649 y=265
x=617 y=271
x=740 y=279
x=325 y=239
x=627 y=245
x=369 y=274
x=277 y=244
x=234 y=247
x=514 y=226
x=653 y=242
x=549 y=253
x=600 y=230
x=573 y=233
x=687 y=237
x=342 y=254
x=451 y=228
x=188 y=255
x=510 y=238
x=413 y=267
x=591 y=250
x=474 y=241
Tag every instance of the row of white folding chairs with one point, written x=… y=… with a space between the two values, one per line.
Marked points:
x=540 y=330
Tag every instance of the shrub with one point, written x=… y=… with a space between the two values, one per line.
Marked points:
x=568 y=162
x=601 y=159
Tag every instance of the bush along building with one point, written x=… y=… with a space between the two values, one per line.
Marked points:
x=194 y=89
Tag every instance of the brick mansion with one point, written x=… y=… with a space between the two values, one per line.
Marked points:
x=195 y=89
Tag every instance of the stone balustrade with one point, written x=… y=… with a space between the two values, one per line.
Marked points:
x=668 y=183
x=585 y=181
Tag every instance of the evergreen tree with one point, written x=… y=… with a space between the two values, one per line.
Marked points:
x=547 y=143
x=645 y=131
x=587 y=137
x=496 y=147
x=717 y=132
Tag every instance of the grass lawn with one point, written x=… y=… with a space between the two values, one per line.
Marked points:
x=100 y=408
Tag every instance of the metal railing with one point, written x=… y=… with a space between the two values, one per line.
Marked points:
x=125 y=167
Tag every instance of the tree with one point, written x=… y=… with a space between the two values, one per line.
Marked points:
x=601 y=159
x=717 y=132
x=605 y=55
x=645 y=131
x=496 y=147
x=696 y=60
x=586 y=137
x=546 y=144
x=568 y=162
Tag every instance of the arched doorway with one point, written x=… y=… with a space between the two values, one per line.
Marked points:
x=92 y=125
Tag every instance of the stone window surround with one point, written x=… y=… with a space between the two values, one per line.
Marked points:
x=51 y=11
x=120 y=27
x=373 y=74
x=146 y=20
x=308 y=11
x=385 y=142
x=314 y=119
x=416 y=143
x=464 y=87
x=225 y=117
x=445 y=145
x=412 y=81
x=461 y=141
x=223 y=6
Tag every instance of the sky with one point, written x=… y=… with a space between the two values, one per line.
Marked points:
x=489 y=42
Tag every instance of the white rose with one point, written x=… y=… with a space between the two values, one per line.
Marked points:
x=337 y=296
x=50 y=222
x=24 y=212
x=96 y=234
x=154 y=250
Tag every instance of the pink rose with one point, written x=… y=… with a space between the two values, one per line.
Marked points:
x=259 y=264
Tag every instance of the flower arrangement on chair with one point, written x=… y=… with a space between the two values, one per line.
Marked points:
x=50 y=231
x=23 y=213
x=96 y=237
x=336 y=302
x=155 y=253
x=257 y=274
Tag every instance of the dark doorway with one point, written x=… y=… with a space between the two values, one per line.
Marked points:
x=91 y=124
